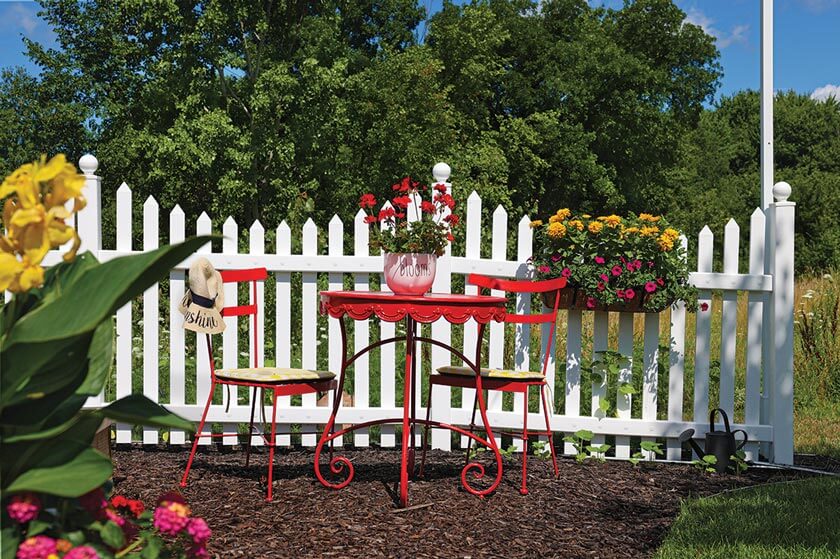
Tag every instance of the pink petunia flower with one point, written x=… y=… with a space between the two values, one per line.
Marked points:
x=601 y=286
x=198 y=530
x=566 y=273
x=616 y=270
x=599 y=260
x=23 y=508
x=590 y=302
x=544 y=269
x=604 y=277
x=555 y=257
x=619 y=293
x=629 y=294
x=37 y=547
x=650 y=287
x=637 y=264
x=650 y=264
x=82 y=552
x=660 y=282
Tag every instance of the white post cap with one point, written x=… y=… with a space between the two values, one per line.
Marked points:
x=781 y=191
x=88 y=164
x=441 y=172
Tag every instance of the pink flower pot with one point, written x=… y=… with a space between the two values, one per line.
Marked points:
x=409 y=273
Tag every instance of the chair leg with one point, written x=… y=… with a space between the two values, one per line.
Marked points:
x=472 y=428
x=251 y=425
x=543 y=388
x=524 y=489
x=272 y=443
x=426 y=429
x=198 y=434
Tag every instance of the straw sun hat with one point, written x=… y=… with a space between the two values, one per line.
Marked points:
x=203 y=302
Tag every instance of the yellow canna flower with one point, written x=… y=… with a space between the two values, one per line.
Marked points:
x=563 y=213
x=556 y=230
x=595 y=226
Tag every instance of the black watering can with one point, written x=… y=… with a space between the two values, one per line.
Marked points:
x=720 y=444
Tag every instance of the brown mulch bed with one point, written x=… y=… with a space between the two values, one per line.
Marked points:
x=592 y=510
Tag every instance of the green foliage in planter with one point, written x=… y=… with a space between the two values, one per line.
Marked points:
x=57 y=349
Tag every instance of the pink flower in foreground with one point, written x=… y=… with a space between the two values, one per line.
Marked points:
x=566 y=273
x=82 y=552
x=23 y=508
x=38 y=547
x=704 y=307
x=544 y=269
x=650 y=287
x=629 y=294
x=590 y=302
x=616 y=270
x=198 y=530
x=599 y=260
x=170 y=517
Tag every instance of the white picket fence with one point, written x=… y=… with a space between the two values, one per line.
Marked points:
x=768 y=389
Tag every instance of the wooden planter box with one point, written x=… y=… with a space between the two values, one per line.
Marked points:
x=573 y=298
x=102 y=438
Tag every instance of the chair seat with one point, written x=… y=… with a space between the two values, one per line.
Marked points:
x=492 y=373
x=274 y=374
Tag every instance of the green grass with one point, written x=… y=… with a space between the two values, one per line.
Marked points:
x=799 y=519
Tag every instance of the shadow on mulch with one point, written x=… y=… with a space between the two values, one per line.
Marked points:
x=590 y=510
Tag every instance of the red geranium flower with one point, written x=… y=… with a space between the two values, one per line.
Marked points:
x=367 y=201
x=704 y=307
x=428 y=207
x=452 y=219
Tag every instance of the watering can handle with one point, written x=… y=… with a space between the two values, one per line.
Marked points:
x=740 y=446
x=712 y=419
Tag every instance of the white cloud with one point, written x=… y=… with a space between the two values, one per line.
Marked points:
x=20 y=16
x=826 y=91
x=820 y=5
x=738 y=33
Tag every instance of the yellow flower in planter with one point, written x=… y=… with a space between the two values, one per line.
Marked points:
x=563 y=213
x=576 y=224
x=649 y=231
x=34 y=217
x=555 y=219
x=536 y=223
x=649 y=217
x=673 y=234
x=630 y=230
x=610 y=220
x=665 y=243
x=556 y=230
x=595 y=227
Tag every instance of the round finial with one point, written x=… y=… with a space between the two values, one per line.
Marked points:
x=88 y=164
x=441 y=172
x=781 y=191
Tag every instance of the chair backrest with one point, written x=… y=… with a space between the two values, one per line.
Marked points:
x=252 y=275
x=527 y=286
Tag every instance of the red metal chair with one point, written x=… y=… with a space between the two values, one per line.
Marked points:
x=506 y=380
x=279 y=380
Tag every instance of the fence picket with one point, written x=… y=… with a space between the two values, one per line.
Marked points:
x=625 y=376
x=151 y=312
x=650 y=365
x=472 y=249
x=283 y=323
x=203 y=226
x=230 y=337
x=755 y=311
x=676 y=370
x=256 y=338
x=124 y=324
x=497 y=329
x=335 y=247
x=729 y=321
x=177 y=377
x=573 y=357
x=522 y=335
x=309 y=323
x=387 y=366
x=703 y=330
x=599 y=372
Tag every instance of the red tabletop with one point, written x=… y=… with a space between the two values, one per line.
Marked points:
x=453 y=307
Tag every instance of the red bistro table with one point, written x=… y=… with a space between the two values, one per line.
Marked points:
x=455 y=308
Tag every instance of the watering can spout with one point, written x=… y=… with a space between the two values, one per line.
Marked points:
x=686 y=436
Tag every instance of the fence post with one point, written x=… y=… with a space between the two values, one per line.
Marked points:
x=89 y=220
x=781 y=401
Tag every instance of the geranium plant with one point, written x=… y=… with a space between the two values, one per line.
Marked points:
x=91 y=527
x=406 y=226
x=614 y=260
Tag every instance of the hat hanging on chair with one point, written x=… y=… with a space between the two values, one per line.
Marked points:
x=204 y=300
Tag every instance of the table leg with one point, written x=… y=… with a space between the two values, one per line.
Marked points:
x=408 y=383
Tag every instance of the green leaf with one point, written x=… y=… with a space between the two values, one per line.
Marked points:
x=604 y=405
x=584 y=434
x=627 y=389
x=37 y=527
x=152 y=548
x=651 y=446
x=10 y=540
x=58 y=332
x=710 y=459
x=112 y=535
x=137 y=409
x=83 y=473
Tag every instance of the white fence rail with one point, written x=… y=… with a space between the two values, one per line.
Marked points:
x=766 y=388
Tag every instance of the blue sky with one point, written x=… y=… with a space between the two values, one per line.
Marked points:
x=807 y=39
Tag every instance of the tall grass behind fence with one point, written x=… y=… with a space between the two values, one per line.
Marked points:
x=680 y=364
